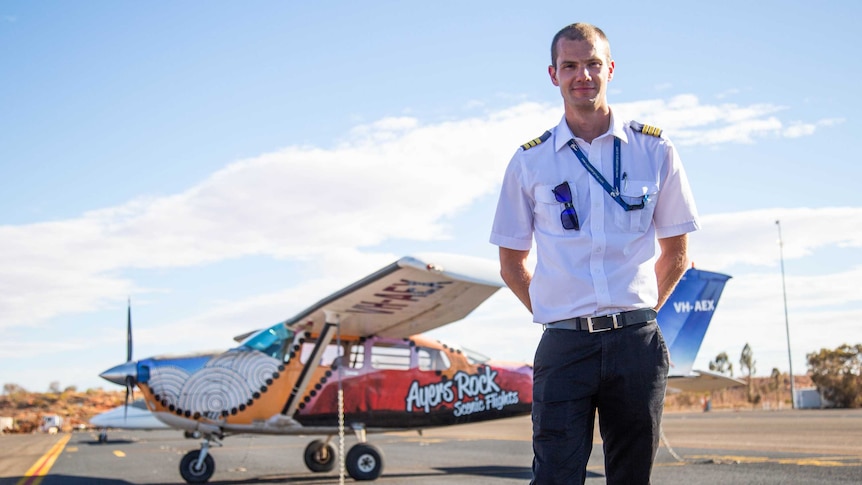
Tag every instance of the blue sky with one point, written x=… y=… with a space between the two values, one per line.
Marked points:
x=226 y=164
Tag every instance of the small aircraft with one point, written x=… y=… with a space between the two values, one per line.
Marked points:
x=353 y=359
x=357 y=360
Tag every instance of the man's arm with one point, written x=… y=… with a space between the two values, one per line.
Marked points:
x=513 y=269
x=671 y=265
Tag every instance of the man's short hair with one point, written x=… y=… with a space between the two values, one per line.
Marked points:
x=578 y=31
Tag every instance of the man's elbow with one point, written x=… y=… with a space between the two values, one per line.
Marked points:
x=506 y=273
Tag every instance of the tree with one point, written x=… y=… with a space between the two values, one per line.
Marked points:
x=838 y=374
x=721 y=364
x=775 y=385
x=10 y=389
x=746 y=362
x=54 y=387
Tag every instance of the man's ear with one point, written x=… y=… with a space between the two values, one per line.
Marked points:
x=552 y=71
x=611 y=70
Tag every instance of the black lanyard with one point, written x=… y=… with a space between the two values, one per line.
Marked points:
x=614 y=191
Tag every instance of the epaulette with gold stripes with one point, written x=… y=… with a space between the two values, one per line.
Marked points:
x=646 y=129
x=536 y=141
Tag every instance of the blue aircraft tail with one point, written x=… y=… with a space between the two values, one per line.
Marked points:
x=686 y=314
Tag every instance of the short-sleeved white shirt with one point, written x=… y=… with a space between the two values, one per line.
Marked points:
x=609 y=264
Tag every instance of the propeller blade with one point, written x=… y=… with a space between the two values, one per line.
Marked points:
x=129 y=380
x=130 y=392
x=129 y=332
x=126 y=406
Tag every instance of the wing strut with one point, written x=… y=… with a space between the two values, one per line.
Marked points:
x=323 y=340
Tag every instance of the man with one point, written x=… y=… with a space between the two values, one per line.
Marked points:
x=601 y=196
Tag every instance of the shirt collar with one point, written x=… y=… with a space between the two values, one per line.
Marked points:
x=562 y=134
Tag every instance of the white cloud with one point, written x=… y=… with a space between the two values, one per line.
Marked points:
x=799 y=129
x=693 y=123
x=728 y=93
x=393 y=179
x=751 y=237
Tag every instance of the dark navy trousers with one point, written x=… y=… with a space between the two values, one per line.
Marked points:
x=620 y=373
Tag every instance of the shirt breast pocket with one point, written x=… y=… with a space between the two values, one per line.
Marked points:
x=634 y=192
x=548 y=211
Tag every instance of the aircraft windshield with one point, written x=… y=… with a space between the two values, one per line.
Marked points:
x=475 y=357
x=272 y=341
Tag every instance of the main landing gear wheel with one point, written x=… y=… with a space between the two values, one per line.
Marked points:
x=320 y=456
x=189 y=470
x=364 y=462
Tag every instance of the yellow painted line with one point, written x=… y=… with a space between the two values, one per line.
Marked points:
x=815 y=462
x=119 y=453
x=425 y=440
x=826 y=461
x=43 y=465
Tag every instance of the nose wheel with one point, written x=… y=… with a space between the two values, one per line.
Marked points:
x=197 y=466
x=195 y=470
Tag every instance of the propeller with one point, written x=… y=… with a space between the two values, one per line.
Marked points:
x=126 y=373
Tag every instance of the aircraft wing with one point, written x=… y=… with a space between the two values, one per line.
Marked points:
x=405 y=298
x=135 y=416
x=701 y=381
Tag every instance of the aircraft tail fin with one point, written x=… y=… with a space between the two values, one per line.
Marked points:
x=686 y=315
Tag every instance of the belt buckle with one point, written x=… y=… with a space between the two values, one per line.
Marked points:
x=613 y=318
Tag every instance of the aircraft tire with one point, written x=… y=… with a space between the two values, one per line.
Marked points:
x=187 y=470
x=320 y=456
x=364 y=462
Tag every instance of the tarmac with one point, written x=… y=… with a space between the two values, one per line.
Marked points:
x=717 y=447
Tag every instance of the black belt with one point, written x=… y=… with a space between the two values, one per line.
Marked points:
x=606 y=322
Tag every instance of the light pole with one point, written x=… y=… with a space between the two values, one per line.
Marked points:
x=786 y=320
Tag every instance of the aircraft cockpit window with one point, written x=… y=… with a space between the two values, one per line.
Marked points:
x=332 y=355
x=385 y=356
x=357 y=356
x=272 y=341
x=432 y=359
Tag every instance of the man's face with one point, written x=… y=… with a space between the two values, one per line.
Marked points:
x=582 y=72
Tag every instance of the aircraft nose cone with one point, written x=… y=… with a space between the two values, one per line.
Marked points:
x=118 y=374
